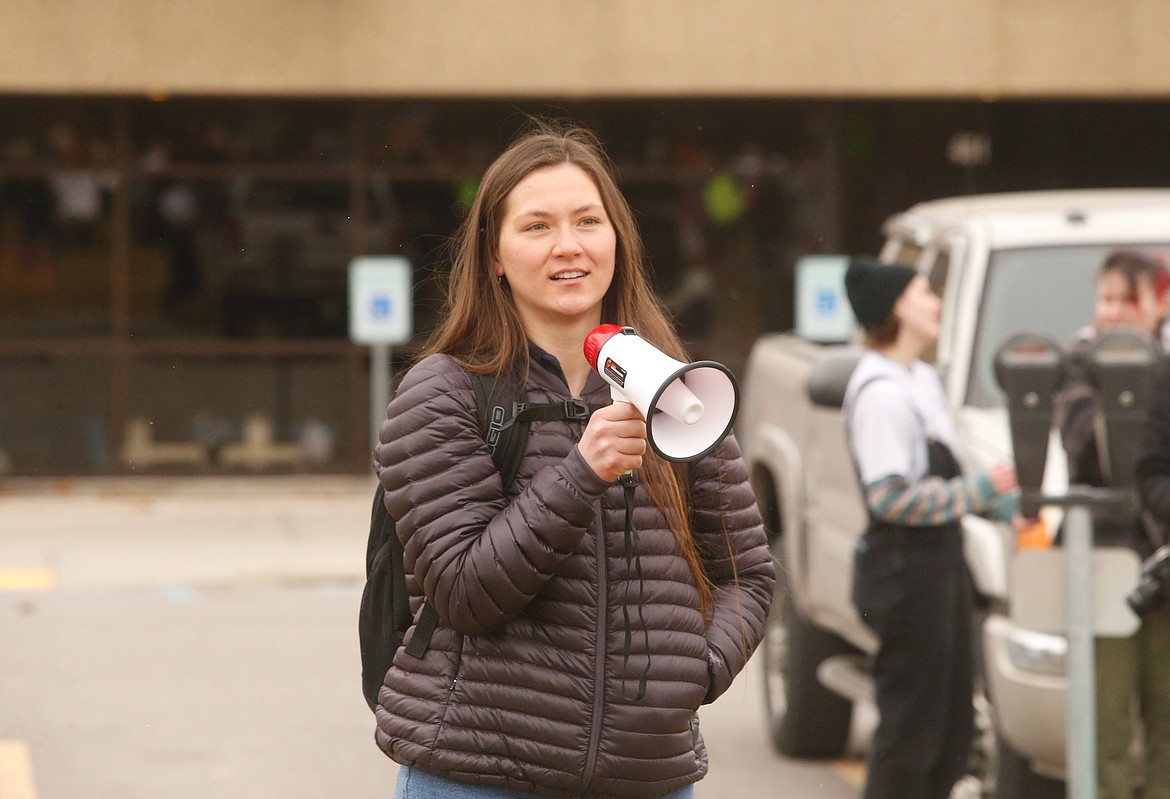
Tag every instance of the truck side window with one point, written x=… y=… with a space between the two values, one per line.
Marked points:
x=939 y=272
x=936 y=272
x=905 y=252
x=1048 y=290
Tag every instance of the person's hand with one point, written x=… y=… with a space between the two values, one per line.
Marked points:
x=614 y=440
x=1022 y=523
x=1031 y=533
x=1003 y=478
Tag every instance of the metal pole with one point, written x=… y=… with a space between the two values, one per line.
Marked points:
x=379 y=388
x=1081 y=720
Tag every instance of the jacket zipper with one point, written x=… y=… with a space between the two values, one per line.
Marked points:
x=599 y=657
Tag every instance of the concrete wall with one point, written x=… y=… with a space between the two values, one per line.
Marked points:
x=588 y=48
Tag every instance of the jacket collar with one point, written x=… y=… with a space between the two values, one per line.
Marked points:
x=546 y=371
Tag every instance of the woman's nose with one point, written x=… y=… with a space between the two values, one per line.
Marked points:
x=566 y=242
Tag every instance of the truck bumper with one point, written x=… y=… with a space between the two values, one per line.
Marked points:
x=1027 y=683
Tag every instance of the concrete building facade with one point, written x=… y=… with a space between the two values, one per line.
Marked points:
x=976 y=49
x=182 y=185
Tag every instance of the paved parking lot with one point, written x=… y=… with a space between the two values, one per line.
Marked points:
x=197 y=638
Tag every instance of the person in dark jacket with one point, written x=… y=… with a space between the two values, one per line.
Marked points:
x=910 y=581
x=571 y=656
x=1131 y=672
x=1148 y=651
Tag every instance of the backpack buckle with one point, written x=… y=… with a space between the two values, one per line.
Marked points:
x=574 y=409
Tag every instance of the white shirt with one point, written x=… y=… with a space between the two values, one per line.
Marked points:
x=890 y=423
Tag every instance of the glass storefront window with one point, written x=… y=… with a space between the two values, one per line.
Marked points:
x=54 y=415
x=285 y=271
x=185 y=131
x=237 y=414
x=248 y=257
x=181 y=235
x=196 y=251
x=57 y=175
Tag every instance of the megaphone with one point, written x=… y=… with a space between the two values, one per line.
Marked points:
x=688 y=407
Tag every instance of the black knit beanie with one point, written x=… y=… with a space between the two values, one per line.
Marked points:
x=874 y=287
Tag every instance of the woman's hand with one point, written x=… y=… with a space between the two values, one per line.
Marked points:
x=614 y=441
x=1003 y=478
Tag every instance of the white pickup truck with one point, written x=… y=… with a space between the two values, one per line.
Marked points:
x=1003 y=264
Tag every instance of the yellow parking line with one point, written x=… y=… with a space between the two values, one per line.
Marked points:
x=16 y=774
x=852 y=770
x=27 y=580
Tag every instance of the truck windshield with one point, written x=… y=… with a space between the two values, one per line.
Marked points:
x=1047 y=290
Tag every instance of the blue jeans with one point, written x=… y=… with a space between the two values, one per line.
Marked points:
x=415 y=784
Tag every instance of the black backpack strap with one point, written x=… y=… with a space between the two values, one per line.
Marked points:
x=377 y=524
x=569 y=409
x=399 y=596
x=383 y=522
x=497 y=398
x=504 y=419
x=384 y=614
x=424 y=628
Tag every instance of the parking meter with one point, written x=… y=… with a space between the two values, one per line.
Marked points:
x=1121 y=366
x=1029 y=368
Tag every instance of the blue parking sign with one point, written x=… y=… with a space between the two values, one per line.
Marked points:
x=380 y=301
x=822 y=310
x=826 y=300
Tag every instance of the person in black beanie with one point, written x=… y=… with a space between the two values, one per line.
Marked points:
x=874 y=287
x=910 y=579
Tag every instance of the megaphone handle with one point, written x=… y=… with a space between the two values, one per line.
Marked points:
x=617 y=395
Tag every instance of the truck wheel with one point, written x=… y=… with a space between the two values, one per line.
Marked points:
x=805 y=719
x=1014 y=778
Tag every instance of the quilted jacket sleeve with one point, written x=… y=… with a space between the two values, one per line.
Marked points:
x=479 y=557
x=730 y=535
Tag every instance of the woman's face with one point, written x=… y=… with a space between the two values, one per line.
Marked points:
x=918 y=311
x=1118 y=306
x=557 y=248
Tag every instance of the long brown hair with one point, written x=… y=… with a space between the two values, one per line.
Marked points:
x=481 y=328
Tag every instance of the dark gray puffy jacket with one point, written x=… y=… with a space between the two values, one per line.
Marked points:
x=529 y=682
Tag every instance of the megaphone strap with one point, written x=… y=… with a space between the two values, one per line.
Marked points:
x=634 y=560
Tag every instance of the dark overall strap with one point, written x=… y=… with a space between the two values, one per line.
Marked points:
x=941 y=461
x=849 y=442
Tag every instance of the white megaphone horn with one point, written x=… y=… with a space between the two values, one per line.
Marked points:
x=688 y=407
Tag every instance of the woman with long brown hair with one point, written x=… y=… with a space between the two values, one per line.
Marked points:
x=570 y=658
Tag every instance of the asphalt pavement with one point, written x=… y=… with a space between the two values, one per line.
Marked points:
x=196 y=638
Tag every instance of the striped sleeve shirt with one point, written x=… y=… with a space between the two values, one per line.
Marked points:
x=893 y=413
x=933 y=500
